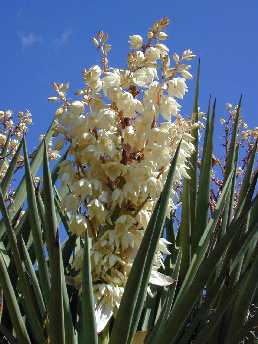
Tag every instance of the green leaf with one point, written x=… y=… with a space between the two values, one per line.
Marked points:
x=202 y=204
x=30 y=270
x=68 y=248
x=63 y=216
x=194 y=158
x=184 y=235
x=196 y=277
x=56 y=310
x=88 y=312
x=204 y=242
x=12 y=304
x=29 y=306
x=240 y=245
x=70 y=336
x=170 y=294
x=35 y=226
x=207 y=332
x=245 y=329
x=243 y=302
x=7 y=335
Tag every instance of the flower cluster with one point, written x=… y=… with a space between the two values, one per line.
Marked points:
x=122 y=134
x=246 y=139
x=12 y=131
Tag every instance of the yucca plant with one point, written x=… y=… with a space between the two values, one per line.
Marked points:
x=208 y=292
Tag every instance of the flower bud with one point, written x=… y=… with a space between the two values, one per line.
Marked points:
x=150 y=35
x=77 y=107
x=176 y=57
x=136 y=41
x=186 y=74
x=95 y=41
x=52 y=99
x=162 y=36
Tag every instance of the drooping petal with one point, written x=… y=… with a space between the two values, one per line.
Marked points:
x=103 y=314
x=157 y=278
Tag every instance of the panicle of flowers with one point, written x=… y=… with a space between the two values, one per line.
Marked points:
x=12 y=129
x=246 y=139
x=122 y=135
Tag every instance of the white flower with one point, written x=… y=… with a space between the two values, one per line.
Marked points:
x=117 y=197
x=111 y=79
x=124 y=222
x=164 y=50
x=169 y=106
x=157 y=278
x=103 y=313
x=136 y=41
x=188 y=54
x=106 y=118
x=162 y=36
x=154 y=186
x=176 y=57
x=96 y=85
x=114 y=169
x=108 y=298
x=186 y=74
x=77 y=107
x=82 y=188
x=143 y=218
x=229 y=106
x=92 y=74
x=129 y=135
x=78 y=224
x=151 y=95
x=96 y=210
x=139 y=57
x=113 y=93
x=162 y=246
x=222 y=120
x=2 y=139
x=144 y=76
x=152 y=54
x=177 y=87
x=71 y=203
x=104 y=197
x=128 y=104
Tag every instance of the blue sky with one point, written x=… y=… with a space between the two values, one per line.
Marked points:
x=46 y=41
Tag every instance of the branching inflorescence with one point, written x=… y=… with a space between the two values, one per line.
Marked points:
x=122 y=134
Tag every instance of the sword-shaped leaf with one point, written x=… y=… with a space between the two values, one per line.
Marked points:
x=56 y=309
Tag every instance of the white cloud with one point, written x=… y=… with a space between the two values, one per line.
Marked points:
x=63 y=38
x=29 y=39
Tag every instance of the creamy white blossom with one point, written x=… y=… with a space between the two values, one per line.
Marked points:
x=177 y=87
x=76 y=107
x=169 y=106
x=111 y=79
x=162 y=36
x=119 y=156
x=145 y=76
x=152 y=54
x=136 y=41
